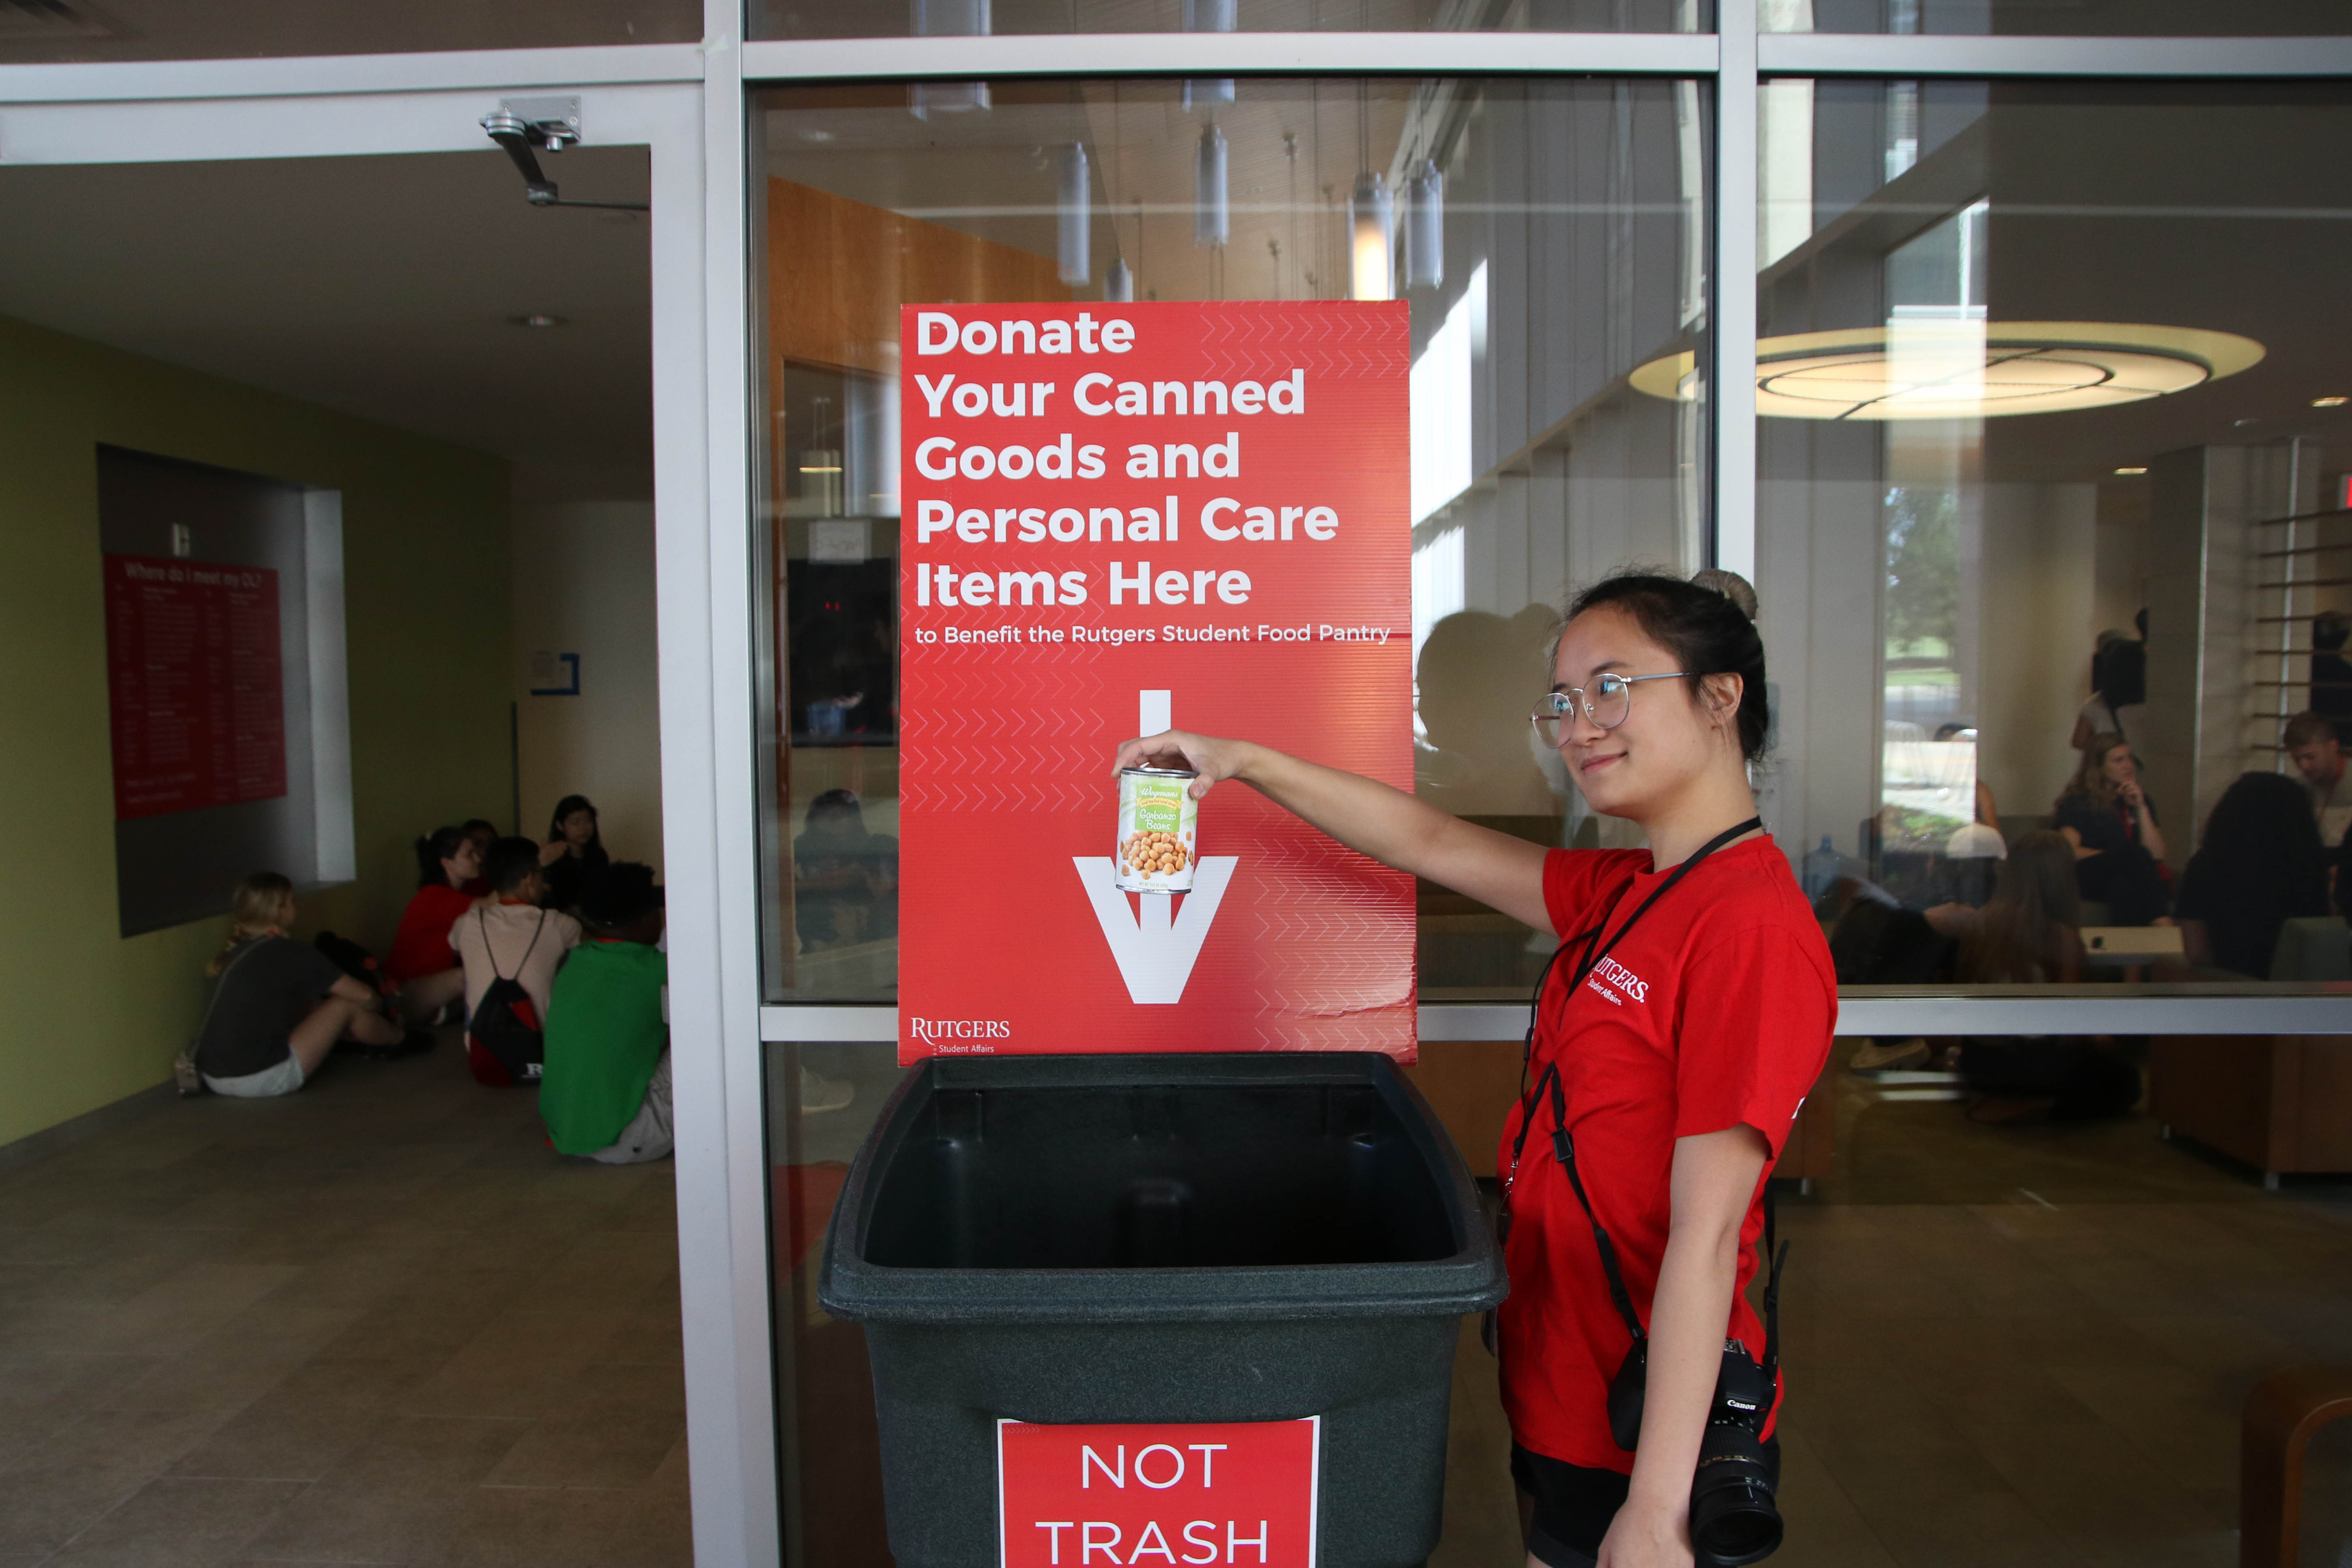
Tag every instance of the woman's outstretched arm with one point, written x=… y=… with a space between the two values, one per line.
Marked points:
x=1391 y=827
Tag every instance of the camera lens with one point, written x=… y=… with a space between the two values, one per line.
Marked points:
x=1733 y=1518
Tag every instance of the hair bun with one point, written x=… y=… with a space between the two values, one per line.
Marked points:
x=1731 y=586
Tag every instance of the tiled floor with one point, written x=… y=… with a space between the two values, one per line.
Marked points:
x=2020 y=1347
x=379 y=1322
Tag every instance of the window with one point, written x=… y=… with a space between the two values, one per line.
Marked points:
x=1550 y=239
x=967 y=19
x=2078 y=18
x=45 y=31
x=2051 y=387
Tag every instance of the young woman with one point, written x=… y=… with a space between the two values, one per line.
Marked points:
x=484 y=832
x=573 y=852
x=1687 y=1013
x=277 y=1006
x=422 y=961
x=2111 y=823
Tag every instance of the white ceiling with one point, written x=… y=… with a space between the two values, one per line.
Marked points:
x=379 y=287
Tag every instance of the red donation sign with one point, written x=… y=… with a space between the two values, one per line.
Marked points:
x=1117 y=518
x=193 y=683
x=1231 y=1492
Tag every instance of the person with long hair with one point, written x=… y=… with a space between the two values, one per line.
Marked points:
x=1683 y=1017
x=484 y=832
x=278 y=1007
x=422 y=962
x=2260 y=865
x=574 y=851
x=2027 y=934
x=2108 y=818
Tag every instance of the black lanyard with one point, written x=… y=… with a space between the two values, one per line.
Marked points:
x=1595 y=950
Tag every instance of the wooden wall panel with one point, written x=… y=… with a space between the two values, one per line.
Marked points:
x=1471 y=1084
x=838 y=271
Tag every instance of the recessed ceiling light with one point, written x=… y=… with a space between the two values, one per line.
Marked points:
x=2131 y=471
x=2241 y=424
x=2330 y=402
x=535 y=319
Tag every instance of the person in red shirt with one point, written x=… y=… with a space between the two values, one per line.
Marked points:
x=1688 y=1011
x=423 y=963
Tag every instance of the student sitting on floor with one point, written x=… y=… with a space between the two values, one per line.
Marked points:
x=508 y=936
x=422 y=961
x=277 y=1006
x=604 y=1092
x=574 y=852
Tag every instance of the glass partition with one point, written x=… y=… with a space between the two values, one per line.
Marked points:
x=2053 y=543
x=967 y=19
x=2077 y=18
x=1550 y=238
x=48 y=31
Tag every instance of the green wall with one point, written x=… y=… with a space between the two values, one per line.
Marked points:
x=87 y=1016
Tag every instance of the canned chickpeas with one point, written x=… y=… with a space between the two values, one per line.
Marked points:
x=1157 y=821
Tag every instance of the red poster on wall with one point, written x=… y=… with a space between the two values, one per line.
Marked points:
x=195 y=684
x=1117 y=519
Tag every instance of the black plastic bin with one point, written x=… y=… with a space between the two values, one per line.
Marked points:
x=1136 y=1238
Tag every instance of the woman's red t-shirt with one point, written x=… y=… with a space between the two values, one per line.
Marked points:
x=422 y=946
x=1715 y=1010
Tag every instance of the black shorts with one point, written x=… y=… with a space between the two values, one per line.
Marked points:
x=1574 y=1504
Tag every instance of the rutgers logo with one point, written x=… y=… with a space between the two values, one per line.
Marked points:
x=932 y=1030
x=1634 y=986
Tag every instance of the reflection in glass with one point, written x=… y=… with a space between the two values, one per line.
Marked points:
x=49 y=31
x=1549 y=238
x=2079 y=19
x=2043 y=374
x=949 y=18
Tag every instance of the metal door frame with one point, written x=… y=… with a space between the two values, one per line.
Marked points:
x=687 y=103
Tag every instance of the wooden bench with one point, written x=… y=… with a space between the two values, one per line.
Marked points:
x=2281 y=1413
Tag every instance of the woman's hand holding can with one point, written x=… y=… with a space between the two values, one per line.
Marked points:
x=1212 y=758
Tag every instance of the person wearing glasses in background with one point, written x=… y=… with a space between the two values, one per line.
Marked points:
x=1678 y=1027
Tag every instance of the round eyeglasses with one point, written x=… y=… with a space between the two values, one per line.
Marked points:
x=1605 y=707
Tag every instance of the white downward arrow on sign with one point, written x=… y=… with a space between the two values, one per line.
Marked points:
x=1156 y=950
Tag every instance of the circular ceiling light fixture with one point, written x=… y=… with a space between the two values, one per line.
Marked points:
x=1945 y=369
x=538 y=321
x=2127 y=472
x=2330 y=402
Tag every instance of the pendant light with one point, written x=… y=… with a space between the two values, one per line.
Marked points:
x=1074 y=215
x=1118 y=283
x=1424 y=227
x=947 y=19
x=1212 y=222
x=1209 y=16
x=1370 y=276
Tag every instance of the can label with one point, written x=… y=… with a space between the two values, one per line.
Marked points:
x=1157 y=818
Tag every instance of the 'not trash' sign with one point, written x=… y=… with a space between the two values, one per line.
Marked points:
x=1158 y=1495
